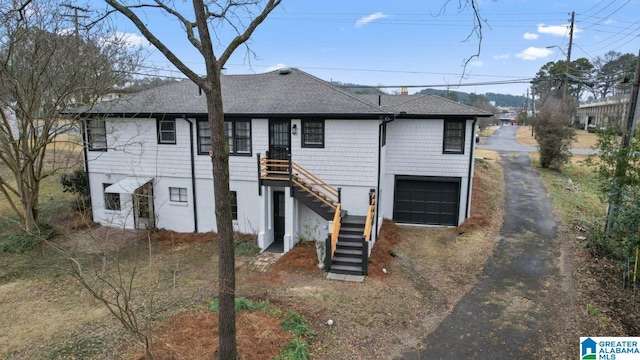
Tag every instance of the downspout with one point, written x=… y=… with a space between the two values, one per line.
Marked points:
x=193 y=175
x=471 y=150
x=384 y=122
x=85 y=142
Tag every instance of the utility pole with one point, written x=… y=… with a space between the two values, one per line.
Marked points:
x=75 y=16
x=533 y=107
x=623 y=163
x=566 y=71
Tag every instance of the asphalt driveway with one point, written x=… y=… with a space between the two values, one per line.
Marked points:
x=506 y=313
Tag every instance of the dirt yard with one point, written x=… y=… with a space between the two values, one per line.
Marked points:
x=417 y=275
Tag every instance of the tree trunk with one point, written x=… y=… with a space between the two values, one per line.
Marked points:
x=226 y=264
x=29 y=189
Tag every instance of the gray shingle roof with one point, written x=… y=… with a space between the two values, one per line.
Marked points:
x=270 y=93
x=424 y=105
x=279 y=93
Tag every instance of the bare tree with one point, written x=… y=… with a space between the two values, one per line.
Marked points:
x=212 y=20
x=46 y=69
x=476 y=31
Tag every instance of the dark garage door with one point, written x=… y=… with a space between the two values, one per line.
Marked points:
x=426 y=200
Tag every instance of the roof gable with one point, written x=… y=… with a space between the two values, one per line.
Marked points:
x=273 y=93
x=424 y=105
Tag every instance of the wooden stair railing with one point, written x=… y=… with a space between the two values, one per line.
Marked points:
x=370 y=215
x=287 y=170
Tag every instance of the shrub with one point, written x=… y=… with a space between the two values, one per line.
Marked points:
x=77 y=183
x=23 y=241
x=554 y=135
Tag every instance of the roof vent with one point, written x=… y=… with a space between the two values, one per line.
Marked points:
x=284 y=71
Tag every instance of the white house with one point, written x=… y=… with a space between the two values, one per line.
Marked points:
x=301 y=151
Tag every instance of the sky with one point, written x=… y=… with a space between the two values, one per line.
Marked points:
x=412 y=43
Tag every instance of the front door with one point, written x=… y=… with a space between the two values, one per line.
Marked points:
x=143 y=207
x=278 y=216
x=279 y=139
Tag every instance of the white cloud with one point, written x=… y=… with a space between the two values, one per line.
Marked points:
x=132 y=40
x=530 y=36
x=608 y=22
x=476 y=63
x=369 y=18
x=128 y=39
x=276 y=67
x=557 y=30
x=533 y=53
x=501 y=56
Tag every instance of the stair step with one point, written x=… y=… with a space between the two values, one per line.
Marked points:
x=354 y=219
x=346 y=269
x=351 y=230
x=342 y=260
x=349 y=245
x=347 y=252
x=350 y=237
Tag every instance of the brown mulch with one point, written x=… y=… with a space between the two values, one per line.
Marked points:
x=382 y=253
x=302 y=257
x=194 y=335
x=173 y=238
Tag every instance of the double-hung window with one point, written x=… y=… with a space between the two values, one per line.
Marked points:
x=234 y=204
x=204 y=137
x=111 y=200
x=177 y=194
x=312 y=133
x=453 y=137
x=238 y=134
x=166 y=131
x=96 y=135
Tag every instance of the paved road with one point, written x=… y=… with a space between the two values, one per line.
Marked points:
x=505 y=140
x=503 y=315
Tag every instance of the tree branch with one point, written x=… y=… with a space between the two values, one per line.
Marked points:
x=242 y=38
x=188 y=25
x=126 y=11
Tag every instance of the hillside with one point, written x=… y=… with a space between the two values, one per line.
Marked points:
x=502 y=100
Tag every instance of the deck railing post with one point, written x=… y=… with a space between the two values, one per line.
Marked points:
x=340 y=195
x=259 y=176
x=327 y=253
x=365 y=256
x=290 y=175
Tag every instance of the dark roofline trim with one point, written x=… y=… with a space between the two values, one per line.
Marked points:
x=372 y=116
x=441 y=116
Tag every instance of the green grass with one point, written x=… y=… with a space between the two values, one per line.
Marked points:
x=244 y=247
x=575 y=194
x=296 y=349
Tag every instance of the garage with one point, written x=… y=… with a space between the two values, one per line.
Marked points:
x=426 y=200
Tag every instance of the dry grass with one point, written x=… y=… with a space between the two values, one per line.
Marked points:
x=487 y=154
x=64 y=153
x=431 y=270
x=31 y=309
x=454 y=257
x=584 y=140
x=524 y=137
x=489 y=130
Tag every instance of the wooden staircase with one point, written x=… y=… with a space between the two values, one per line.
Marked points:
x=347 y=246
x=351 y=252
x=322 y=204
